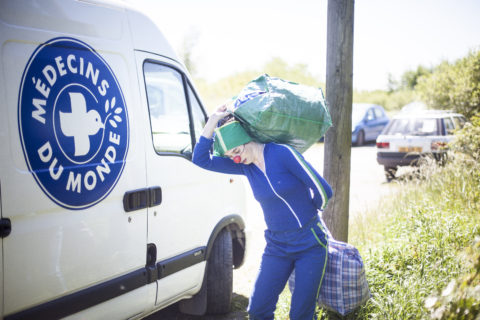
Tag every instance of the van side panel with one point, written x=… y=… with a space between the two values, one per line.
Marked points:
x=105 y=223
x=54 y=251
x=1 y=251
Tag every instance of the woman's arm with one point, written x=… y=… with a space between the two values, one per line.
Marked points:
x=299 y=167
x=202 y=156
x=213 y=120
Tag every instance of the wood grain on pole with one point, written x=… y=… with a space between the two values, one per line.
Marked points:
x=339 y=88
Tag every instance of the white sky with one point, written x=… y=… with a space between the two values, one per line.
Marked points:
x=391 y=36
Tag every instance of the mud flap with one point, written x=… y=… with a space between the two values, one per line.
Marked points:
x=196 y=305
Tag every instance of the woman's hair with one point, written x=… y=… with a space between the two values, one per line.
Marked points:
x=227 y=119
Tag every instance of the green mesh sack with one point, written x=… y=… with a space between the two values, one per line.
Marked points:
x=274 y=110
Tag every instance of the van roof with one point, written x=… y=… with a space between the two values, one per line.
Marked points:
x=106 y=19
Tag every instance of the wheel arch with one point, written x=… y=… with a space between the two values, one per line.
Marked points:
x=236 y=225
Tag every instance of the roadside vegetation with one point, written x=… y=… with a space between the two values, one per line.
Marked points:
x=449 y=85
x=421 y=247
x=216 y=93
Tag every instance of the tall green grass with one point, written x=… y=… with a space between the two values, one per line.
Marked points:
x=412 y=243
x=414 y=239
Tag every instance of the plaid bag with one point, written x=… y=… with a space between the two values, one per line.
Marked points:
x=344 y=286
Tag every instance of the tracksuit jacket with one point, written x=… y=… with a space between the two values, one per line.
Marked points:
x=290 y=193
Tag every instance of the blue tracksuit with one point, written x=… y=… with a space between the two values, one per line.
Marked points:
x=294 y=236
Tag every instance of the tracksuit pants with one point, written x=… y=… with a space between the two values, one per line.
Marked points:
x=303 y=249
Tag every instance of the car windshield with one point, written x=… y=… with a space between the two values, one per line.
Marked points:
x=413 y=126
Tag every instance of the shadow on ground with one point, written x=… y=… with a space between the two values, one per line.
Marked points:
x=239 y=307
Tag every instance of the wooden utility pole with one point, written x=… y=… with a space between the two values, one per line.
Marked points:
x=338 y=139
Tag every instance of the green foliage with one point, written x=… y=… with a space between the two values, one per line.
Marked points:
x=461 y=298
x=410 y=78
x=412 y=244
x=214 y=94
x=447 y=86
x=217 y=93
x=391 y=101
x=453 y=86
x=467 y=140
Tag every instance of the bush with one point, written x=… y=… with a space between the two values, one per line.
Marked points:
x=461 y=298
x=467 y=140
x=391 y=101
x=415 y=241
x=453 y=86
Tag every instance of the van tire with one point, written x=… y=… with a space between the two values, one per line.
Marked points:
x=220 y=274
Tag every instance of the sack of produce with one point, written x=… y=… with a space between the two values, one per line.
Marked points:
x=274 y=110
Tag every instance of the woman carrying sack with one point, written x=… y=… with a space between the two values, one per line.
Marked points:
x=281 y=180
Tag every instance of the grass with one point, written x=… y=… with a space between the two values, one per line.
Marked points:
x=412 y=243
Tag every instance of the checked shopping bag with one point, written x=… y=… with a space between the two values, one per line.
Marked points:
x=344 y=285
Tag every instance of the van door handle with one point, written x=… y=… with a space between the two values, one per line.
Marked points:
x=142 y=198
x=135 y=199
x=5 y=227
x=155 y=196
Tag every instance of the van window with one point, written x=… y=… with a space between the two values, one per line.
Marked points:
x=197 y=114
x=168 y=109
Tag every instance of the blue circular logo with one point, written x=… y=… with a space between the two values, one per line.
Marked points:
x=73 y=123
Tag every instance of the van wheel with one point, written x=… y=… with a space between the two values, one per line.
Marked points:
x=220 y=274
x=390 y=173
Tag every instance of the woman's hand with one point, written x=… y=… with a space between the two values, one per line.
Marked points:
x=213 y=120
x=221 y=112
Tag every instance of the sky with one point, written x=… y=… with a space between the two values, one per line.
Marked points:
x=390 y=36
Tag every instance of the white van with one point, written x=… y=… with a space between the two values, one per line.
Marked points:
x=103 y=213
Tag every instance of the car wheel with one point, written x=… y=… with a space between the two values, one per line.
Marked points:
x=220 y=274
x=390 y=173
x=441 y=158
x=360 y=138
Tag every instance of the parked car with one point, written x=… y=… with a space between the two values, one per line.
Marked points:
x=410 y=136
x=368 y=121
x=103 y=214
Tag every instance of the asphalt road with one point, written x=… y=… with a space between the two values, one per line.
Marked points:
x=367 y=187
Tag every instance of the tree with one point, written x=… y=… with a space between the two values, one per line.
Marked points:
x=190 y=41
x=454 y=86
x=410 y=78
x=339 y=91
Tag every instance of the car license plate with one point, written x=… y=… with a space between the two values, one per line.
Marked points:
x=410 y=149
